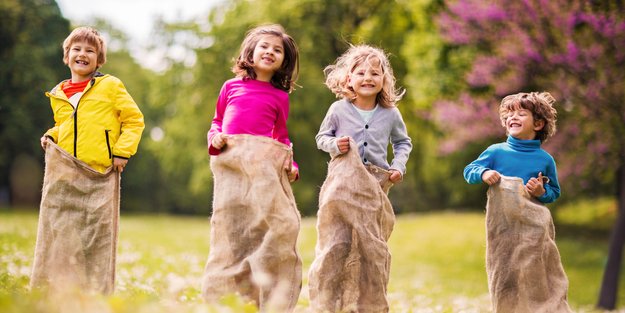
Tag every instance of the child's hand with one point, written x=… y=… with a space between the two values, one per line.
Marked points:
x=395 y=177
x=119 y=164
x=343 y=144
x=219 y=140
x=491 y=177
x=535 y=186
x=44 y=142
x=293 y=173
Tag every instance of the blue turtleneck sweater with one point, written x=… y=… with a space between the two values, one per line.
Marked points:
x=517 y=158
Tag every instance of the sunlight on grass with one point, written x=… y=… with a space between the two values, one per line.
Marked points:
x=437 y=266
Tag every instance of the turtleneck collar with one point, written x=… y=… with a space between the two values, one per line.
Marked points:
x=523 y=145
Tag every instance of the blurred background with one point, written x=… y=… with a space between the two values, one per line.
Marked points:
x=456 y=60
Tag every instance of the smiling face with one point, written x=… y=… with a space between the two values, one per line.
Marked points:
x=82 y=59
x=366 y=80
x=268 y=57
x=520 y=124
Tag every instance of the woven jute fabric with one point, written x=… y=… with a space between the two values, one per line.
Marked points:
x=355 y=219
x=254 y=226
x=525 y=274
x=78 y=225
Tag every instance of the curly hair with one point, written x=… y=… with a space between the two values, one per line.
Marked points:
x=285 y=77
x=337 y=74
x=89 y=35
x=541 y=106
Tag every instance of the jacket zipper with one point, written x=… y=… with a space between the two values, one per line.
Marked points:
x=76 y=121
x=108 y=143
x=76 y=129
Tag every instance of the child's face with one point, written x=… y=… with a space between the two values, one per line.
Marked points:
x=520 y=124
x=367 y=79
x=82 y=60
x=268 y=57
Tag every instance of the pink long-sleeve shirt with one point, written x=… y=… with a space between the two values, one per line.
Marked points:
x=248 y=106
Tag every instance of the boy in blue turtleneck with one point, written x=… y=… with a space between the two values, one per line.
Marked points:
x=529 y=119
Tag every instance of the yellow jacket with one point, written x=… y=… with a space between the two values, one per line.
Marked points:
x=106 y=123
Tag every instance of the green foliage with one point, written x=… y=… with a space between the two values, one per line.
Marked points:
x=592 y=214
x=31 y=64
x=323 y=31
x=437 y=266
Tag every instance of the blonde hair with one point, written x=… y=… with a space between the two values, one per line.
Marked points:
x=337 y=74
x=89 y=35
x=541 y=106
x=285 y=77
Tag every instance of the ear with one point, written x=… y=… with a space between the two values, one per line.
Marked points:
x=538 y=125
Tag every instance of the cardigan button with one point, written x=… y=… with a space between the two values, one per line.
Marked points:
x=366 y=126
x=365 y=143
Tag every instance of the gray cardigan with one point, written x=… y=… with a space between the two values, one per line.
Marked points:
x=372 y=138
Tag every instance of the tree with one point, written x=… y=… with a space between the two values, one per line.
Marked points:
x=575 y=50
x=31 y=64
x=322 y=31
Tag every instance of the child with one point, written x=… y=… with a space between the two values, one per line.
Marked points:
x=355 y=218
x=523 y=263
x=97 y=129
x=255 y=221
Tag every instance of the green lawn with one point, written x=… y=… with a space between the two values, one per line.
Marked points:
x=437 y=266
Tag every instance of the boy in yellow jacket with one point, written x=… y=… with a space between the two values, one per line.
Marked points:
x=96 y=120
x=97 y=129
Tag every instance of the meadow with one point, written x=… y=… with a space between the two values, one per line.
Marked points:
x=437 y=266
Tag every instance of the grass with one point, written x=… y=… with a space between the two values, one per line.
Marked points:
x=437 y=266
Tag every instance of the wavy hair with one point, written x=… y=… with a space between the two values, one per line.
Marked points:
x=89 y=35
x=337 y=74
x=285 y=77
x=541 y=106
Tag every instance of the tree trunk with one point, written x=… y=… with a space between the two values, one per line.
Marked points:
x=609 y=286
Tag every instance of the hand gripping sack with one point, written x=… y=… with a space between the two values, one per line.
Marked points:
x=523 y=265
x=78 y=225
x=254 y=226
x=351 y=268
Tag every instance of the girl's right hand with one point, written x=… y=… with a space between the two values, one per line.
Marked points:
x=491 y=177
x=343 y=144
x=219 y=141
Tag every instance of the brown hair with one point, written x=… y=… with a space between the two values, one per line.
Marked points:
x=285 y=77
x=89 y=35
x=541 y=106
x=338 y=73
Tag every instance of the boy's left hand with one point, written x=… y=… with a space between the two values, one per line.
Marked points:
x=535 y=186
x=395 y=177
x=119 y=164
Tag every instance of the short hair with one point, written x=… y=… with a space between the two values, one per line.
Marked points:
x=541 y=106
x=337 y=74
x=285 y=77
x=89 y=35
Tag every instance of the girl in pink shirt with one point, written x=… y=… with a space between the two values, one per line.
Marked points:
x=256 y=101
x=255 y=221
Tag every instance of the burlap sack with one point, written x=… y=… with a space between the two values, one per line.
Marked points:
x=78 y=225
x=254 y=226
x=525 y=274
x=351 y=268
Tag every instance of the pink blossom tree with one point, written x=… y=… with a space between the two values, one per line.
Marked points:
x=573 y=49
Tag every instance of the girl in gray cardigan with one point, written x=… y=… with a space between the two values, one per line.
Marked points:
x=367 y=114
x=355 y=218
